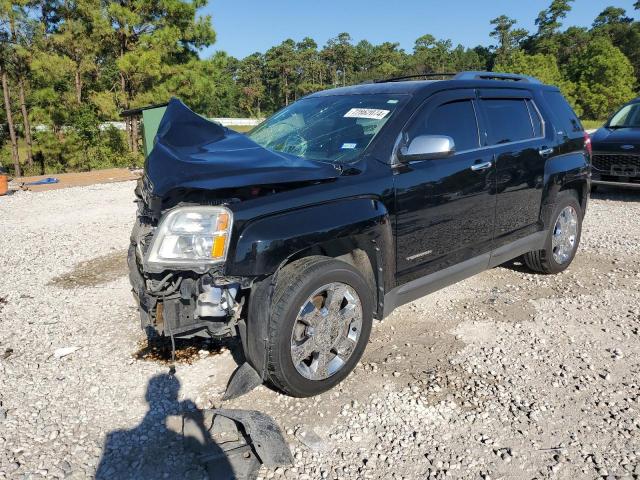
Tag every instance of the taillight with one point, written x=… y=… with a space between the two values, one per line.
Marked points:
x=587 y=143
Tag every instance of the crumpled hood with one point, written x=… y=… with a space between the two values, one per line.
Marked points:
x=193 y=152
x=617 y=136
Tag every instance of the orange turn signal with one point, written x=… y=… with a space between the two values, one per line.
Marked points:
x=217 y=250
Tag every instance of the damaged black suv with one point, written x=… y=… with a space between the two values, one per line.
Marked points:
x=347 y=204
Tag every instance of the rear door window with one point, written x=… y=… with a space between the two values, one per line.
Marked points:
x=455 y=119
x=567 y=122
x=508 y=120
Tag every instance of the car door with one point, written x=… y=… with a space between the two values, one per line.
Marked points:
x=514 y=133
x=444 y=207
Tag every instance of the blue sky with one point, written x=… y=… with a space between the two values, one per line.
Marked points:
x=247 y=26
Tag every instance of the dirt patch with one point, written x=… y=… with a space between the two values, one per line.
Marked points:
x=78 y=179
x=94 y=272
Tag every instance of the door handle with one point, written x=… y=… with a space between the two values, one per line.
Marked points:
x=545 y=152
x=476 y=167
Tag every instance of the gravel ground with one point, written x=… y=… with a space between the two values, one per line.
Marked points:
x=506 y=375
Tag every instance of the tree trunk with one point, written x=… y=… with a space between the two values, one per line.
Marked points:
x=78 y=86
x=7 y=106
x=25 y=121
x=12 y=132
x=125 y=96
x=286 y=90
x=134 y=134
x=127 y=127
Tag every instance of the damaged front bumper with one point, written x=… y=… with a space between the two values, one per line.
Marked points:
x=181 y=303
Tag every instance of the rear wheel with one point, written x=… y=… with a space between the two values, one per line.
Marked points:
x=320 y=324
x=562 y=238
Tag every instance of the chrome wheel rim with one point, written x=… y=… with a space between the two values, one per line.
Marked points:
x=326 y=331
x=565 y=235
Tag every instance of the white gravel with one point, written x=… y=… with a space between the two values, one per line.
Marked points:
x=506 y=375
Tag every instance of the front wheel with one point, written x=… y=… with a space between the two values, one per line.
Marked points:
x=320 y=323
x=562 y=239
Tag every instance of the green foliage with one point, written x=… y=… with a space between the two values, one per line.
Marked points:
x=250 y=81
x=79 y=63
x=549 y=22
x=80 y=149
x=207 y=86
x=544 y=68
x=623 y=32
x=611 y=16
x=509 y=39
x=603 y=76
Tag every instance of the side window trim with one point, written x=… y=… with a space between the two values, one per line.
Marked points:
x=531 y=103
x=474 y=102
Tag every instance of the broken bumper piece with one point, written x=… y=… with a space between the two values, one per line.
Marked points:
x=233 y=444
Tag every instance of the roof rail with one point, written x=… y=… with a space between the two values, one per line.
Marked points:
x=495 y=76
x=420 y=75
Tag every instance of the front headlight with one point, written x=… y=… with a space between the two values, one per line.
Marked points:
x=191 y=237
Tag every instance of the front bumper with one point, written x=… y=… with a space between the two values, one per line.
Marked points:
x=179 y=303
x=615 y=169
x=615 y=183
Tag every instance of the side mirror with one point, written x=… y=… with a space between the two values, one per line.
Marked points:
x=428 y=147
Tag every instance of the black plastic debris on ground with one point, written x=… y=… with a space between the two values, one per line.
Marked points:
x=232 y=444
x=244 y=379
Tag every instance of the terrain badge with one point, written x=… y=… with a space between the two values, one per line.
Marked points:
x=418 y=255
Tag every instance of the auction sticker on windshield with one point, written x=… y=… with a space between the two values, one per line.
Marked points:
x=373 y=113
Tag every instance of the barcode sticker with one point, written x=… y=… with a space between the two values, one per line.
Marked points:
x=372 y=113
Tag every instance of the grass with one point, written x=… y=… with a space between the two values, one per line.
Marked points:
x=241 y=128
x=589 y=124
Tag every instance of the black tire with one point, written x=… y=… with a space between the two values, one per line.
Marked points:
x=594 y=188
x=295 y=283
x=543 y=260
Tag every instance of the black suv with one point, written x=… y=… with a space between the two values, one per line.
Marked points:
x=616 y=148
x=347 y=204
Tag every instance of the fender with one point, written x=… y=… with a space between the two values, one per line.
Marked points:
x=332 y=229
x=571 y=170
x=336 y=228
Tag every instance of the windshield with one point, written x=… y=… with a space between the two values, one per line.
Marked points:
x=627 y=116
x=327 y=128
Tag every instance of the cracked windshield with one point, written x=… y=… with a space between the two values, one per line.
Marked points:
x=328 y=128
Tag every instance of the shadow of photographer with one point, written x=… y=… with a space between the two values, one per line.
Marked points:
x=153 y=451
